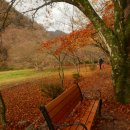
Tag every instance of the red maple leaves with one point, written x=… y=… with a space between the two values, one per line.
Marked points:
x=82 y=37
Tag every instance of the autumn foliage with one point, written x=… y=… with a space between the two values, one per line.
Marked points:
x=82 y=37
x=70 y=42
x=108 y=14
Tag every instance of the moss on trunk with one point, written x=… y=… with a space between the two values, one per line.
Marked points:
x=121 y=75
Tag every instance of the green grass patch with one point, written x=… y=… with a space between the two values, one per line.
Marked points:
x=15 y=74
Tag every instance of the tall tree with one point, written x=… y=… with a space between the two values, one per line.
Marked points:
x=54 y=48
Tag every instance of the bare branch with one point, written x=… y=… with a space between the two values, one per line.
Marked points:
x=6 y=14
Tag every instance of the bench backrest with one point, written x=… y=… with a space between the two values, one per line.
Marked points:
x=58 y=109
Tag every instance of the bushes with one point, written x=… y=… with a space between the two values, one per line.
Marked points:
x=52 y=90
x=76 y=76
x=91 y=62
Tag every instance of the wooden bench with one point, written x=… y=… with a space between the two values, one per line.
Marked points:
x=59 y=110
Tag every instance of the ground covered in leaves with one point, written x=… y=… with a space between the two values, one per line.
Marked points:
x=22 y=102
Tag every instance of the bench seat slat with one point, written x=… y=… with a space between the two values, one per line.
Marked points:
x=92 y=115
x=75 y=119
x=86 y=115
x=83 y=118
x=88 y=120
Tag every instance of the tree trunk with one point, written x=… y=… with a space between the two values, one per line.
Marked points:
x=3 y=55
x=120 y=74
x=2 y=111
x=77 y=66
x=61 y=74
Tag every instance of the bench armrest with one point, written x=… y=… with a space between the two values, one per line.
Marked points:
x=66 y=124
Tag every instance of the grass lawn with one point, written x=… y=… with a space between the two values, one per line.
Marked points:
x=14 y=76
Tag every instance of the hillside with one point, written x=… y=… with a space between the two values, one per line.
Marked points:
x=21 y=38
x=56 y=33
x=20 y=27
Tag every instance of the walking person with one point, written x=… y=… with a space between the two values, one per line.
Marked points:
x=100 y=63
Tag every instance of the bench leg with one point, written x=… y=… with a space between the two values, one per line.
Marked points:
x=47 y=118
x=100 y=107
